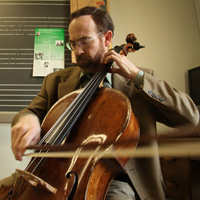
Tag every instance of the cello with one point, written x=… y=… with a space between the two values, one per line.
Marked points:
x=79 y=118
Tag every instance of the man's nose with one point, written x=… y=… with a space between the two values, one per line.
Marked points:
x=78 y=50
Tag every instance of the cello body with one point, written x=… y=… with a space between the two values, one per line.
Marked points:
x=106 y=122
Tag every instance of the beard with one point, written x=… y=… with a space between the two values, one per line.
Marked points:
x=88 y=64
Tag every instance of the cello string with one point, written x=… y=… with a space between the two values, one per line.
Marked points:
x=77 y=103
x=90 y=89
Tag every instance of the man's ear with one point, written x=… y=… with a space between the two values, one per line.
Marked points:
x=108 y=37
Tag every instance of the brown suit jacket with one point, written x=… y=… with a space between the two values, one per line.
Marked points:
x=156 y=102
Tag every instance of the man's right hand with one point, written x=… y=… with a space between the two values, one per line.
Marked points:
x=26 y=132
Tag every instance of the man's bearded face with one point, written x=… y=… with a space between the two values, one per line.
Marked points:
x=90 y=64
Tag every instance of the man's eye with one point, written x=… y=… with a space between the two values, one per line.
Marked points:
x=73 y=44
x=84 y=41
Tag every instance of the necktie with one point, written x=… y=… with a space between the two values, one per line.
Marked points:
x=83 y=81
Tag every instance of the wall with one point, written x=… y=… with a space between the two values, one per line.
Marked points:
x=197 y=7
x=168 y=29
x=8 y=163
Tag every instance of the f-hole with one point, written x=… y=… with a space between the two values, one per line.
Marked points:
x=71 y=195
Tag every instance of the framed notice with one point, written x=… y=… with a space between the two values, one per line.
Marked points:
x=49 y=51
x=77 y=4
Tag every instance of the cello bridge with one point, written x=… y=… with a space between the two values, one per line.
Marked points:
x=34 y=180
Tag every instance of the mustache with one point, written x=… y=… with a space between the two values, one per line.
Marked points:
x=82 y=57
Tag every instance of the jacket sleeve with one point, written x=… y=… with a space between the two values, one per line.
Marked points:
x=173 y=107
x=37 y=107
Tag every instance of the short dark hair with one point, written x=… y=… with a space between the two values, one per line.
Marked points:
x=101 y=18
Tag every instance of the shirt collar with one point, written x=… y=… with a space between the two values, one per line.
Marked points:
x=109 y=79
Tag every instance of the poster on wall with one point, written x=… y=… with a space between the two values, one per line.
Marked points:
x=77 y=4
x=48 y=51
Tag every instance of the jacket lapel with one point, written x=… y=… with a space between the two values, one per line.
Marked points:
x=121 y=83
x=69 y=85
